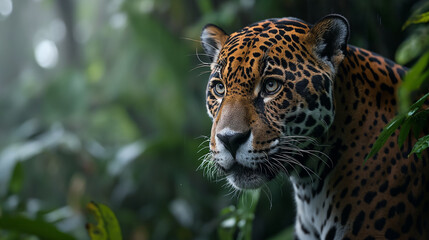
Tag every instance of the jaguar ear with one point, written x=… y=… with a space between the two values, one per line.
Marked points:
x=329 y=36
x=212 y=40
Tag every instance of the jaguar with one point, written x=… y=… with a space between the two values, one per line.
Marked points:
x=291 y=98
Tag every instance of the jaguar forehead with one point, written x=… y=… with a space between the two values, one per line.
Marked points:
x=246 y=51
x=249 y=77
x=242 y=77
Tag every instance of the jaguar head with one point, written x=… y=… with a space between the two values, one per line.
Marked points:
x=270 y=93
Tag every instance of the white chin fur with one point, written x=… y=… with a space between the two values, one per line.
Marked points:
x=248 y=182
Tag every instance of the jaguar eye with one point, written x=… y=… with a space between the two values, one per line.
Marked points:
x=271 y=86
x=219 y=88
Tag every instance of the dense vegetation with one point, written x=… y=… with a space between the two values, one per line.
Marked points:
x=104 y=101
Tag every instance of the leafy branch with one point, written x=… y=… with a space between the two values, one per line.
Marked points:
x=411 y=116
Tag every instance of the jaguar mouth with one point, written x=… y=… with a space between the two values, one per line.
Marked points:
x=242 y=177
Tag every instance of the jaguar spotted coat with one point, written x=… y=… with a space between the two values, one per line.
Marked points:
x=289 y=97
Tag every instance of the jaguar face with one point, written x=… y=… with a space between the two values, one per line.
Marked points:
x=270 y=93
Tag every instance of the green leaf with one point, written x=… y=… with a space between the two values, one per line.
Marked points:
x=420 y=145
x=17 y=178
x=227 y=210
x=413 y=47
x=416 y=119
x=412 y=81
x=226 y=233
x=421 y=18
x=39 y=228
x=249 y=201
x=417 y=105
x=405 y=130
x=385 y=134
x=240 y=218
x=107 y=227
x=420 y=120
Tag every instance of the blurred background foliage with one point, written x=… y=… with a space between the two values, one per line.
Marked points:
x=103 y=100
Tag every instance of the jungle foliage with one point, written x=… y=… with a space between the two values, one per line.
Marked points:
x=104 y=101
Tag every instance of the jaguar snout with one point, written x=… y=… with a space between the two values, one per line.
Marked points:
x=233 y=141
x=236 y=157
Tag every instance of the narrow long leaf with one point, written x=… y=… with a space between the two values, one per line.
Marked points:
x=420 y=145
x=405 y=130
x=39 y=228
x=17 y=178
x=418 y=104
x=421 y=18
x=385 y=134
x=420 y=120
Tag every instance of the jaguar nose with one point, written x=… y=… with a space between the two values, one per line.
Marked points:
x=233 y=141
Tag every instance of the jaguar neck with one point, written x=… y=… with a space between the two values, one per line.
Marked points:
x=358 y=92
x=361 y=95
x=315 y=163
